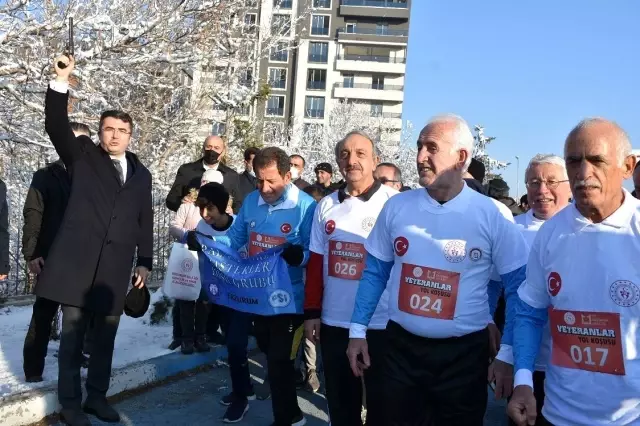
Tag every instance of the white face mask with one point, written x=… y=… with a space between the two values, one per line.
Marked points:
x=295 y=173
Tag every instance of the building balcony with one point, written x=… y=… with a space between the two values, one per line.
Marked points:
x=368 y=63
x=372 y=92
x=376 y=35
x=374 y=9
x=388 y=120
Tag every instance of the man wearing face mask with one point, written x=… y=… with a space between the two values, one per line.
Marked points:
x=297 y=163
x=247 y=179
x=190 y=174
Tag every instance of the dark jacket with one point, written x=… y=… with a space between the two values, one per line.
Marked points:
x=301 y=183
x=44 y=209
x=511 y=204
x=189 y=176
x=4 y=230
x=246 y=184
x=91 y=259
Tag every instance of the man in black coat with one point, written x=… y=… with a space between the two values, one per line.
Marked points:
x=190 y=174
x=297 y=164
x=43 y=211
x=88 y=269
x=248 y=177
x=4 y=232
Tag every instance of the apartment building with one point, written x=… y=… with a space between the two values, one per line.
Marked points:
x=352 y=50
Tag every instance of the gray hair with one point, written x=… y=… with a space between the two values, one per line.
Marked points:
x=623 y=147
x=462 y=134
x=546 y=159
x=354 y=133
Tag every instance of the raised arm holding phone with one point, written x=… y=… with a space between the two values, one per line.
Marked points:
x=108 y=221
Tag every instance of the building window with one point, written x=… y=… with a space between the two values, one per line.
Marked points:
x=318 y=52
x=351 y=27
x=283 y=4
x=377 y=82
x=251 y=3
x=347 y=80
x=250 y=20
x=243 y=110
x=275 y=106
x=322 y=4
x=280 y=52
x=376 y=109
x=382 y=28
x=273 y=133
x=246 y=78
x=312 y=129
x=314 y=107
x=278 y=78
x=320 y=25
x=218 y=129
x=316 y=79
x=281 y=24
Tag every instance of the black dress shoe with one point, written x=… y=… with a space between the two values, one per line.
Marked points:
x=102 y=410
x=187 y=347
x=33 y=379
x=74 y=417
x=175 y=344
x=201 y=345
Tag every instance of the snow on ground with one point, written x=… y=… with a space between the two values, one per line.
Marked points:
x=136 y=340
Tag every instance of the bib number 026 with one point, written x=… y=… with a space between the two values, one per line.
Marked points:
x=578 y=357
x=423 y=303
x=345 y=269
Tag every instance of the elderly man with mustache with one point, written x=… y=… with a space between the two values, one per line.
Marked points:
x=582 y=277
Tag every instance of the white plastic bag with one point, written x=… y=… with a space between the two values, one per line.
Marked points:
x=182 y=280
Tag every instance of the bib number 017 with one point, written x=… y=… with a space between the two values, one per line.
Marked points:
x=423 y=303
x=578 y=358
x=345 y=269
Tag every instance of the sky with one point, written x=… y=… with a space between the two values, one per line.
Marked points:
x=526 y=71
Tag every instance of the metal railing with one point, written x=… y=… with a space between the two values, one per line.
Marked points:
x=375 y=3
x=319 y=31
x=376 y=86
x=316 y=85
x=377 y=114
x=278 y=84
x=372 y=58
x=279 y=56
x=318 y=58
x=314 y=113
x=383 y=31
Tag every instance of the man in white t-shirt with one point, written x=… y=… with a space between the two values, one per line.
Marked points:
x=582 y=277
x=436 y=248
x=341 y=224
x=548 y=192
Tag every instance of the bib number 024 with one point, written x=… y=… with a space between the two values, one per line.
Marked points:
x=345 y=269
x=577 y=356
x=423 y=303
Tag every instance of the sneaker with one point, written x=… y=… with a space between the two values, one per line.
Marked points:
x=229 y=399
x=313 y=383
x=175 y=344
x=236 y=411
x=187 y=347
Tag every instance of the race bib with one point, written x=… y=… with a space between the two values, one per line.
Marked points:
x=261 y=242
x=346 y=260
x=588 y=341
x=428 y=292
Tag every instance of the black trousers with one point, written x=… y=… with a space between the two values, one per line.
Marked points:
x=215 y=319
x=175 y=321
x=538 y=392
x=36 y=341
x=193 y=318
x=280 y=336
x=74 y=325
x=236 y=328
x=436 y=382
x=344 y=390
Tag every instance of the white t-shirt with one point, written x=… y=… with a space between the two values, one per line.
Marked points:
x=206 y=229
x=529 y=225
x=589 y=274
x=338 y=234
x=443 y=255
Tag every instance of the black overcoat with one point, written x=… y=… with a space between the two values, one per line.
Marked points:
x=91 y=259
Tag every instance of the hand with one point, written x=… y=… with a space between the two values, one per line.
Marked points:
x=293 y=254
x=503 y=375
x=312 y=329
x=141 y=274
x=3 y=277
x=192 y=241
x=522 y=407
x=494 y=339
x=36 y=265
x=62 y=74
x=357 y=348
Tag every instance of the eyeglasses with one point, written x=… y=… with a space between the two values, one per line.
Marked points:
x=551 y=184
x=114 y=131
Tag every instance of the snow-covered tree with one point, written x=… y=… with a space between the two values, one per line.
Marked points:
x=317 y=142
x=480 y=152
